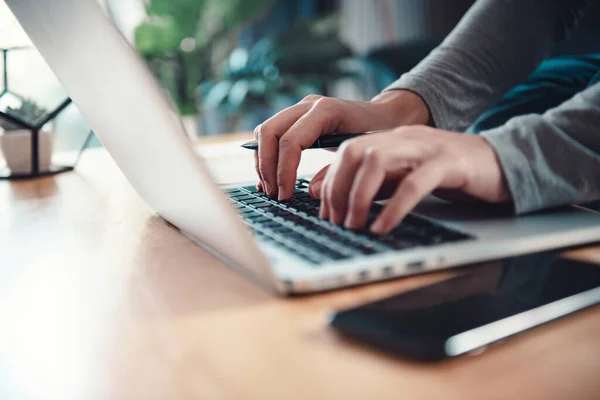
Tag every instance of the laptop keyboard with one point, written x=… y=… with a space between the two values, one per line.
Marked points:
x=295 y=226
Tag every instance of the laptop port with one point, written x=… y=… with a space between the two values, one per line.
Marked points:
x=415 y=265
x=363 y=275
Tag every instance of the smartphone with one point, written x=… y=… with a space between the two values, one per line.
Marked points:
x=467 y=313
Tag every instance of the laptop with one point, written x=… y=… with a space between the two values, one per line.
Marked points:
x=284 y=246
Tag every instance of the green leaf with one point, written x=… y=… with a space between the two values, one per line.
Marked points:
x=217 y=94
x=157 y=36
x=234 y=13
x=186 y=13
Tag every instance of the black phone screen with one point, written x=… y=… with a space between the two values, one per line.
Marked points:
x=465 y=313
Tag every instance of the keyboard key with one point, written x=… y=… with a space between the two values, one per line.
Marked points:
x=293 y=225
x=303 y=197
x=252 y=200
x=311 y=202
x=258 y=218
x=246 y=211
x=269 y=208
x=250 y=214
x=252 y=189
x=294 y=203
x=261 y=205
x=244 y=197
x=305 y=207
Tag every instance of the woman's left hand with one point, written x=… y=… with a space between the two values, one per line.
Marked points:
x=405 y=165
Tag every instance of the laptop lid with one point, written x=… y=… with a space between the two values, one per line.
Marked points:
x=129 y=112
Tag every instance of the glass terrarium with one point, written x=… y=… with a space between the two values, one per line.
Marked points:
x=41 y=131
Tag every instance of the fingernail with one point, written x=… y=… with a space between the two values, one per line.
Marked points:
x=281 y=192
x=377 y=227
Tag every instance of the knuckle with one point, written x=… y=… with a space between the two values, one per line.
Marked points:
x=402 y=130
x=410 y=186
x=264 y=129
x=311 y=98
x=373 y=156
x=326 y=103
x=286 y=143
x=349 y=152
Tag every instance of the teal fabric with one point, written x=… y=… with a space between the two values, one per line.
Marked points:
x=553 y=83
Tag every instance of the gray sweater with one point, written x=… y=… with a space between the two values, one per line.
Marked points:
x=548 y=160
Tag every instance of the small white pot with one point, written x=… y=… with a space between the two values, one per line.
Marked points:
x=16 y=148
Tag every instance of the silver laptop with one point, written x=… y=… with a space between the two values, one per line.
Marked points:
x=282 y=245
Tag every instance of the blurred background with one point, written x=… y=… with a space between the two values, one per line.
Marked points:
x=229 y=64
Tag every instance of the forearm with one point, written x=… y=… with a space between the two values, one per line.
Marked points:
x=496 y=45
x=552 y=159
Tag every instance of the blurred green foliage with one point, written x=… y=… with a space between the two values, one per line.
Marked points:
x=299 y=61
x=191 y=47
x=180 y=36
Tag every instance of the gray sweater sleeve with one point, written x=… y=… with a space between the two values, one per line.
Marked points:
x=552 y=159
x=548 y=160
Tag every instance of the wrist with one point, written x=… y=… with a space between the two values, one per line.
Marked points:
x=404 y=107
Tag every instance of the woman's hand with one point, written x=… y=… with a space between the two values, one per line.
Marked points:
x=283 y=137
x=405 y=165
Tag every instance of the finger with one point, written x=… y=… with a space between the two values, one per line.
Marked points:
x=324 y=208
x=314 y=188
x=367 y=183
x=342 y=178
x=259 y=187
x=256 y=166
x=409 y=193
x=324 y=212
x=322 y=118
x=268 y=134
x=266 y=156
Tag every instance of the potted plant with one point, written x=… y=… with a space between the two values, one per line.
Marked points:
x=15 y=141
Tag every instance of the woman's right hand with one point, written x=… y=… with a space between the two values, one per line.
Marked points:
x=283 y=137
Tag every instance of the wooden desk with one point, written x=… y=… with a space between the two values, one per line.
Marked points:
x=100 y=299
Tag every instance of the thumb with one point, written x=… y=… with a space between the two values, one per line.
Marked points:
x=317 y=181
